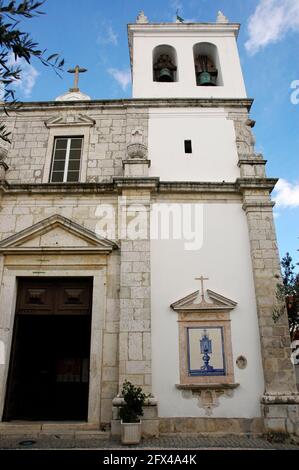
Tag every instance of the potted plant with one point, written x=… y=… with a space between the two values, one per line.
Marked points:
x=130 y=412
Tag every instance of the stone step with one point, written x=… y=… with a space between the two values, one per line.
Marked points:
x=67 y=430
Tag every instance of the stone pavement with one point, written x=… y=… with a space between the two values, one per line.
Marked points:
x=164 y=442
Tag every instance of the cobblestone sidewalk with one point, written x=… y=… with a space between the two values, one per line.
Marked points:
x=164 y=442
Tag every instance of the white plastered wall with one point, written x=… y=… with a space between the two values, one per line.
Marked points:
x=225 y=259
x=214 y=153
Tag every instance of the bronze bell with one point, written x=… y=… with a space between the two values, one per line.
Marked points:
x=165 y=75
x=206 y=79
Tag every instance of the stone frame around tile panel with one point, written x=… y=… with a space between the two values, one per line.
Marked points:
x=193 y=313
x=211 y=322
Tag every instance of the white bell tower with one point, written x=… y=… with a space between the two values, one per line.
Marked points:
x=172 y=60
x=191 y=72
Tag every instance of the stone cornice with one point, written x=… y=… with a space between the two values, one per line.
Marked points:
x=196 y=187
x=177 y=29
x=251 y=161
x=244 y=184
x=183 y=28
x=257 y=205
x=207 y=386
x=53 y=188
x=280 y=398
x=151 y=183
x=124 y=182
x=133 y=103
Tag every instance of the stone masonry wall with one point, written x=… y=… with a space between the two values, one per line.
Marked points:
x=135 y=312
x=108 y=140
x=275 y=338
x=18 y=212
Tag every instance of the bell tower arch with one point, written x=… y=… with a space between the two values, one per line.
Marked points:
x=165 y=64
x=207 y=65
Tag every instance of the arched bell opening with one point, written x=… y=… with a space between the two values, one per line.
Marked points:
x=165 y=64
x=207 y=66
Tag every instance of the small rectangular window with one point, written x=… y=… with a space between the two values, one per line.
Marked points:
x=188 y=146
x=66 y=159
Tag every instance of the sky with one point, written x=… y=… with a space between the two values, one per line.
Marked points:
x=93 y=34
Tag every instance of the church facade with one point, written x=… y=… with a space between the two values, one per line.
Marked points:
x=137 y=243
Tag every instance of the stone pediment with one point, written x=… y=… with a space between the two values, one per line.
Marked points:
x=212 y=301
x=70 y=121
x=56 y=234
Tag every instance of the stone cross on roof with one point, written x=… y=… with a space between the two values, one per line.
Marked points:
x=202 y=279
x=76 y=70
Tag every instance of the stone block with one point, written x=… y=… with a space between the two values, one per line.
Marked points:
x=293 y=413
x=131 y=303
x=147 y=350
x=110 y=374
x=134 y=325
x=131 y=279
x=125 y=292
x=138 y=367
x=140 y=267
x=143 y=314
x=115 y=427
x=118 y=137
x=150 y=428
x=126 y=245
x=275 y=425
x=290 y=427
x=150 y=412
x=148 y=379
x=140 y=292
x=135 y=346
x=165 y=425
x=136 y=379
x=127 y=313
x=106 y=410
x=123 y=345
x=140 y=245
x=115 y=412
x=108 y=172
x=110 y=349
x=112 y=309
x=105 y=122
x=276 y=411
x=109 y=389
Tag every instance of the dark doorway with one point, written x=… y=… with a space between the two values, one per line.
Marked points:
x=49 y=365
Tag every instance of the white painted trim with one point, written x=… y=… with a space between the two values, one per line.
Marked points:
x=67 y=159
x=67 y=131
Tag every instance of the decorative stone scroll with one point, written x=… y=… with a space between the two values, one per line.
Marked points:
x=141 y=18
x=244 y=138
x=207 y=395
x=251 y=164
x=136 y=164
x=221 y=18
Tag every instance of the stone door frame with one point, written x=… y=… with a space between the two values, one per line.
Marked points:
x=10 y=272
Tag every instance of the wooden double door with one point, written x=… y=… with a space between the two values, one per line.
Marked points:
x=49 y=366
